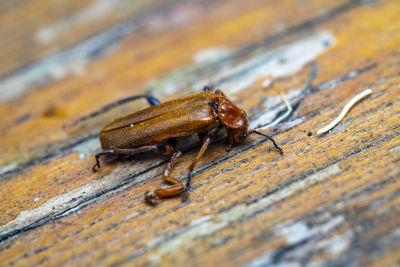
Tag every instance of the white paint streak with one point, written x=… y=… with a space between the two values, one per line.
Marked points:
x=276 y=63
x=284 y=116
x=70 y=201
x=232 y=79
x=394 y=149
x=87 y=15
x=266 y=83
x=49 y=69
x=8 y=167
x=89 y=147
x=299 y=231
x=211 y=223
x=340 y=243
x=296 y=232
x=291 y=124
x=131 y=216
x=267 y=115
x=69 y=61
x=211 y=54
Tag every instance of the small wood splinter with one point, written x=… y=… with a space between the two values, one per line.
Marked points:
x=344 y=111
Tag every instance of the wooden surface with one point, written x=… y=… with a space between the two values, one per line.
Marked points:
x=328 y=200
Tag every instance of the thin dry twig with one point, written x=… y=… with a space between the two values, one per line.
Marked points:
x=344 y=111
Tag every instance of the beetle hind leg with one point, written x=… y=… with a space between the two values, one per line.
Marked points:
x=176 y=187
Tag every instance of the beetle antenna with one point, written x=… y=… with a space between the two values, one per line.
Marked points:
x=152 y=101
x=269 y=137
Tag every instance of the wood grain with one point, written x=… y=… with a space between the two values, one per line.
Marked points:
x=330 y=200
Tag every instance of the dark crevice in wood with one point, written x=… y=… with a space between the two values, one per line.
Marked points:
x=8 y=175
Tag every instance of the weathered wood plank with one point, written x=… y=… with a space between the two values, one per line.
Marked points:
x=328 y=200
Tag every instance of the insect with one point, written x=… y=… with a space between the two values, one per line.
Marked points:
x=158 y=127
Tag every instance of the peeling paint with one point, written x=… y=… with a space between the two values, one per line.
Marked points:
x=267 y=115
x=296 y=232
x=266 y=83
x=8 y=167
x=72 y=61
x=97 y=10
x=275 y=63
x=394 y=149
x=262 y=261
x=272 y=63
x=290 y=124
x=89 y=147
x=339 y=244
x=310 y=238
x=71 y=201
x=300 y=231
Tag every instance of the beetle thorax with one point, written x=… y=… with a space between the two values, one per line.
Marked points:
x=231 y=116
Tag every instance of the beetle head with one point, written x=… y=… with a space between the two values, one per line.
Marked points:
x=234 y=119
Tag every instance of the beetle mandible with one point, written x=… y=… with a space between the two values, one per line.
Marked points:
x=157 y=128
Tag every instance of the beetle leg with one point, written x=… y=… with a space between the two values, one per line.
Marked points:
x=163 y=149
x=131 y=151
x=203 y=149
x=202 y=136
x=174 y=189
x=150 y=99
x=229 y=141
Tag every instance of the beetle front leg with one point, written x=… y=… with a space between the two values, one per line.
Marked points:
x=203 y=149
x=176 y=187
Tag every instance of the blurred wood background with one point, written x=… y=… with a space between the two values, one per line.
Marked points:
x=330 y=200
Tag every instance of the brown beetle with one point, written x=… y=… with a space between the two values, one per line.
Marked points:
x=157 y=128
